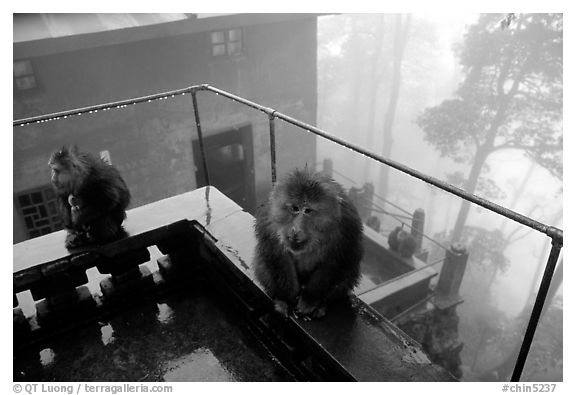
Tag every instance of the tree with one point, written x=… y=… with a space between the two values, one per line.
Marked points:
x=510 y=98
x=400 y=40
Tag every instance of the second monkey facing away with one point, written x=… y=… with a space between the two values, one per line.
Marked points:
x=309 y=244
x=402 y=242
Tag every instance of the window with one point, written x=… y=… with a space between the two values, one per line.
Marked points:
x=24 y=78
x=39 y=212
x=226 y=42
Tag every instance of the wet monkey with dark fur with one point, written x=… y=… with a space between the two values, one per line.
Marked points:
x=92 y=197
x=309 y=244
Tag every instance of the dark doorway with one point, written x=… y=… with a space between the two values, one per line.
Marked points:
x=230 y=159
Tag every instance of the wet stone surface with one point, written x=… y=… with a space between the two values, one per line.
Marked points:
x=190 y=335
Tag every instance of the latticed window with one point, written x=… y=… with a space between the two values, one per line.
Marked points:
x=226 y=42
x=38 y=210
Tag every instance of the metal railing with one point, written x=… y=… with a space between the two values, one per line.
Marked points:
x=555 y=234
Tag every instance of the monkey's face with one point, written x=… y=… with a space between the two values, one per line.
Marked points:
x=302 y=225
x=298 y=232
x=61 y=177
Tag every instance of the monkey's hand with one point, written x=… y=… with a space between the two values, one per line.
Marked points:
x=309 y=309
x=74 y=203
x=73 y=200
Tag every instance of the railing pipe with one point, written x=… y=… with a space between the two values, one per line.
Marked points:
x=548 y=230
x=537 y=308
x=268 y=111
x=101 y=107
x=430 y=180
x=200 y=138
x=398 y=166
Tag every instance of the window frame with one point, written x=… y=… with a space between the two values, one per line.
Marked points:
x=23 y=70
x=226 y=43
x=31 y=213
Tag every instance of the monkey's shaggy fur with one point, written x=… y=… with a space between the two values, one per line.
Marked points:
x=92 y=197
x=309 y=243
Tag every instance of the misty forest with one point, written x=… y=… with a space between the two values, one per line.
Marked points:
x=475 y=100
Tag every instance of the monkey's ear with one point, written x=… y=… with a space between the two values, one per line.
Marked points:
x=74 y=149
x=56 y=155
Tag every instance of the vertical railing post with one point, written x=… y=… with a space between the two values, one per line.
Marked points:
x=200 y=139
x=272 y=124
x=538 y=306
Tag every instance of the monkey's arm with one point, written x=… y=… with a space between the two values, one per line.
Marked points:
x=101 y=197
x=280 y=283
x=276 y=273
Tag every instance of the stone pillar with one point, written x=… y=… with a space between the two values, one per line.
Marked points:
x=367 y=198
x=452 y=272
x=417 y=230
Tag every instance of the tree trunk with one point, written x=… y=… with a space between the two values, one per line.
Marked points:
x=470 y=186
x=518 y=194
x=355 y=103
x=487 y=147
x=373 y=84
x=374 y=81
x=401 y=39
x=356 y=78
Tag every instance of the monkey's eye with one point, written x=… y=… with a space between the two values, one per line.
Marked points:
x=294 y=209
x=307 y=210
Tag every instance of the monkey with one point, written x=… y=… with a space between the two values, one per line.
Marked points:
x=309 y=244
x=92 y=197
x=402 y=242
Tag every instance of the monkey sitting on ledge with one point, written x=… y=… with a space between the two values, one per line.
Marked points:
x=92 y=197
x=309 y=244
x=402 y=242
